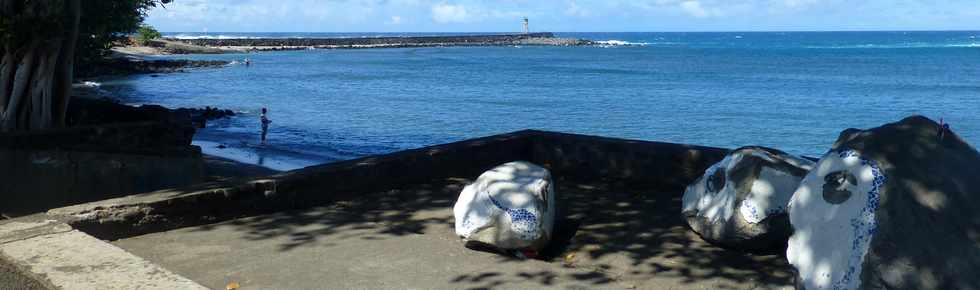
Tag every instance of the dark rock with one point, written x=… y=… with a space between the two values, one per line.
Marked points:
x=740 y=202
x=893 y=207
x=173 y=125
x=129 y=66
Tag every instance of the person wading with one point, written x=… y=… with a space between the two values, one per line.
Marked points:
x=265 y=124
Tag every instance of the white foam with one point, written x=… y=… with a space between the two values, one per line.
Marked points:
x=220 y=36
x=91 y=84
x=614 y=42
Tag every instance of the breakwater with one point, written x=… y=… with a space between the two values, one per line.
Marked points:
x=543 y=38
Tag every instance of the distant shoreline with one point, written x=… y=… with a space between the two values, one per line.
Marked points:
x=243 y=45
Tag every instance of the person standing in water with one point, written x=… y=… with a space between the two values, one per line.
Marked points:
x=265 y=124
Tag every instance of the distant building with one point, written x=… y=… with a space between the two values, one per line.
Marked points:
x=526 y=30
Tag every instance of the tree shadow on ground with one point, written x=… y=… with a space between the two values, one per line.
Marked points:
x=633 y=237
x=605 y=237
x=372 y=216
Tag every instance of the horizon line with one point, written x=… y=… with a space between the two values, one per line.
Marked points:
x=626 y=31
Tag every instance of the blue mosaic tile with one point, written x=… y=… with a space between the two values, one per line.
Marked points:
x=864 y=226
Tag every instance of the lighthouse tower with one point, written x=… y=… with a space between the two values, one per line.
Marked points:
x=526 y=31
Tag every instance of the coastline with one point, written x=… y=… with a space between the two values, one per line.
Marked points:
x=219 y=163
x=243 y=45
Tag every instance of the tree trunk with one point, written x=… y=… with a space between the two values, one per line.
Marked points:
x=64 y=73
x=35 y=79
x=20 y=85
x=7 y=69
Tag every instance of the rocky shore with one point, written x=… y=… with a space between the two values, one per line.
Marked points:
x=170 y=47
x=119 y=66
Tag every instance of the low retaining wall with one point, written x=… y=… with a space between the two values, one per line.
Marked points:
x=370 y=41
x=40 y=170
x=659 y=167
x=663 y=168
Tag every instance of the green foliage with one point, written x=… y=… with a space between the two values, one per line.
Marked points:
x=106 y=21
x=23 y=20
x=102 y=22
x=146 y=33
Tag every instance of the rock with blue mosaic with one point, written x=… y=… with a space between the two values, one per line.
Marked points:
x=740 y=202
x=510 y=207
x=893 y=207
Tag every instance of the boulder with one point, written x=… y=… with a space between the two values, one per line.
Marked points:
x=510 y=207
x=740 y=202
x=893 y=207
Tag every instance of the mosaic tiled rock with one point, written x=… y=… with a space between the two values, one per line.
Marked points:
x=894 y=207
x=740 y=202
x=510 y=207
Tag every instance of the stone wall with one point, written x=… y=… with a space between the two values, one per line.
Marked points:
x=370 y=41
x=661 y=167
x=46 y=169
x=657 y=168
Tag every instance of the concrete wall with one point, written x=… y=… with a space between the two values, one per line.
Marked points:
x=36 y=180
x=445 y=40
x=40 y=170
x=661 y=167
x=658 y=168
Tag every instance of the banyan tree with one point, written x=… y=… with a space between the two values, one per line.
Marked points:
x=38 y=49
x=38 y=40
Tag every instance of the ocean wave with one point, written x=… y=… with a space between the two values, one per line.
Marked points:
x=614 y=42
x=220 y=36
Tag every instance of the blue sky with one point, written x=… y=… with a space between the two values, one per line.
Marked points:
x=563 y=15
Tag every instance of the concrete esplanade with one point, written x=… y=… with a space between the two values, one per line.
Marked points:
x=384 y=222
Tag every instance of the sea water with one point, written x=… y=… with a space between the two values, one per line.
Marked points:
x=794 y=91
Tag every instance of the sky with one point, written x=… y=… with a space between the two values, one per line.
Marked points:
x=563 y=15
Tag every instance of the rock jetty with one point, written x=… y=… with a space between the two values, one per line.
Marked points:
x=544 y=38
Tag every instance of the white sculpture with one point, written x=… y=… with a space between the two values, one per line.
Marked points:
x=511 y=207
x=740 y=202
x=834 y=208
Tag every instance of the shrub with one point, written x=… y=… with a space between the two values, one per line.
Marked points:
x=146 y=33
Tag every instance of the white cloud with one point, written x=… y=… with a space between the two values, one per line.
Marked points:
x=577 y=11
x=395 y=20
x=694 y=9
x=446 y=13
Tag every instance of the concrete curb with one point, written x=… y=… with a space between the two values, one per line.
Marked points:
x=47 y=254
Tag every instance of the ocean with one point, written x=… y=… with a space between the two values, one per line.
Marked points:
x=794 y=91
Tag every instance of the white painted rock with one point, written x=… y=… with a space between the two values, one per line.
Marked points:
x=510 y=207
x=740 y=202
x=892 y=207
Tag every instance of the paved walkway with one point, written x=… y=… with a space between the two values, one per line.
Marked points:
x=403 y=239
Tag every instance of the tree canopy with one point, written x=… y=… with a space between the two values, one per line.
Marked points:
x=40 y=41
x=106 y=21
